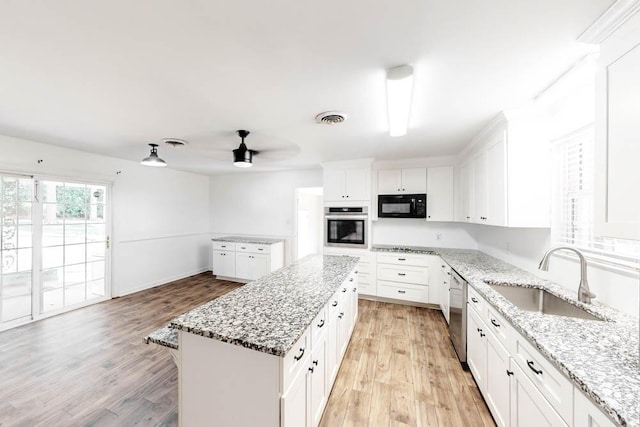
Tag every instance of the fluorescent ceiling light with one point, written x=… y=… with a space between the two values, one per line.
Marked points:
x=399 y=87
x=153 y=159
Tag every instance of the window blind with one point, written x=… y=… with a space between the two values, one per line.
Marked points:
x=574 y=203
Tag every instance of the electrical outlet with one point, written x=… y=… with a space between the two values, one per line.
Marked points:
x=508 y=246
x=438 y=236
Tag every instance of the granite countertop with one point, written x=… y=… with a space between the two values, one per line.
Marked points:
x=271 y=313
x=600 y=357
x=404 y=249
x=248 y=240
x=166 y=336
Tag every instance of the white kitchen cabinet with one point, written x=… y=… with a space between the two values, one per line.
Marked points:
x=490 y=184
x=497 y=387
x=440 y=193
x=616 y=133
x=317 y=383
x=586 y=414
x=403 y=276
x=402 y=181
x=224 y=263
x=294 y=408
x=245 y=261
x=528 y=406
x=346 y=185
x=509 y=168
x=465 y=197
x=477 y=349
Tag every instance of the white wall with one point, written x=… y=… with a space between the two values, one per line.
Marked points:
x=259 y=204
x=418 y=232
x=524 y=248
x=309 y=224
x=160 y=217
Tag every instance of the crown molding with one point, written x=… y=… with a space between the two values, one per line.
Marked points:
x=612 y=18
x=498 y=122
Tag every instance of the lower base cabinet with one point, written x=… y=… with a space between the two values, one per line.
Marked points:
x=521 y=388
x=497 y=387
x=294 y=401
x=529 y=408
x=317 y=380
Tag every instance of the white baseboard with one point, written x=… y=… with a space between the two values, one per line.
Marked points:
x=163 y=281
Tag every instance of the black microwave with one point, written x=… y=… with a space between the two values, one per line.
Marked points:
x=402 y=206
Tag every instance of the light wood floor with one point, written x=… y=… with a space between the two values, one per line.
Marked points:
x=89 y=367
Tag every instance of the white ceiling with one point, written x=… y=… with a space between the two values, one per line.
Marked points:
x=109 y=76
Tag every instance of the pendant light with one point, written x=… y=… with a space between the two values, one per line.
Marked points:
x=242 y=156
x=153 y=159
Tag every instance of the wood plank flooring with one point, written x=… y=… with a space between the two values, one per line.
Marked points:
x=89 y=367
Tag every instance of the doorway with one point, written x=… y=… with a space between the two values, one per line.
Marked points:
x=309 y=221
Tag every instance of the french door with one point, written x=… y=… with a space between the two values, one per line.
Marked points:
x=55 y=247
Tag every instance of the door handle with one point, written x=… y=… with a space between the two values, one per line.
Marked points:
x=530 y=365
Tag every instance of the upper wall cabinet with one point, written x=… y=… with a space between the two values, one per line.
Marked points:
x=505 y=179
x=402 y=181
x=617 y=129
x=440 y=193
x=343 y=183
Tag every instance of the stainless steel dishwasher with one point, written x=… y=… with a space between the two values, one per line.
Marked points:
x=458 y=316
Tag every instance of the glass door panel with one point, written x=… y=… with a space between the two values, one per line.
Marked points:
x=16 y=247
x=74 y=242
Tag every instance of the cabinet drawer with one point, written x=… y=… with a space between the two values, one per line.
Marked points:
x=501 y=329
x=319 y=326
x=295 y=359
x=364 y=278
x=253 y=248
x=363 y=267
x=475 y=301
x=403 y=291
x=403 y=259
x=367 y=289
x=403 y=274
x=554 y=386
x=223 y=246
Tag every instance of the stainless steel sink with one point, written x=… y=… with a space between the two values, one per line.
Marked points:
x=541 y=301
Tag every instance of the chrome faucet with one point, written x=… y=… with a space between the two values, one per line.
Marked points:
x=584 y=294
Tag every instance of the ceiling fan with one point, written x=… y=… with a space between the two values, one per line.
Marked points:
x=269 y=148
x=242 y=156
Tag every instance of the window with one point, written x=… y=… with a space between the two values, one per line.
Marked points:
x=574 y=203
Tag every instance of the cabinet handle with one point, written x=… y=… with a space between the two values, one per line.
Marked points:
x=481 y=335
x=468 y=217
x=403 y=189
x=428 y=216
x=494 y=323
x=311 y=369
x=298 y=357
x=442 y=266
x=448 y=273
x=340 y=315
x=321 y=324
x=347 y=196
x=261 y=249
x=402 y=259
x=530 y=365
x=402 y=274
x=344 y=290
x=223 y=246
x=398 y=189
x=402 y=292
x=335 y=303
x=343 y=197
x=355 y=289
x=351 y=279
x=356 y=271
x=315 y=362
x=479 y=330
x=509 y=373
x=474 y=300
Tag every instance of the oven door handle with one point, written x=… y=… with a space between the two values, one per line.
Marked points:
x=347 y=217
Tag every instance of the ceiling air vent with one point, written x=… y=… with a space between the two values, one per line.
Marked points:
x=331 y=117
x=174 y=142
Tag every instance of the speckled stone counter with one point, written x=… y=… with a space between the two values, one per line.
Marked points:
x=600 y=357
x=271 y=313
x=167 y=337
x=404 y=249
x=248 y=240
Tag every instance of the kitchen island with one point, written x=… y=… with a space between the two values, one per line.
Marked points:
x=267 y=353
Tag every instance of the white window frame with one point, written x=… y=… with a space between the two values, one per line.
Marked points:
x=598 y=250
